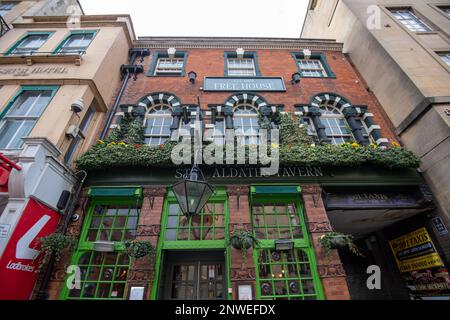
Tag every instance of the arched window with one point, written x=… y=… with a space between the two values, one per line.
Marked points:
x=245 y=119
x=336 y=127
x=246 y=107
x=158 y=120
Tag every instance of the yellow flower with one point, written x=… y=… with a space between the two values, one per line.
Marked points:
x=355 y=145
x=101 y=141
x=122 y=143
x=395 y=144
x=373 y=145
x=275 y=145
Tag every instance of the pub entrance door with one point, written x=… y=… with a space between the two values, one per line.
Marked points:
x=194 y=275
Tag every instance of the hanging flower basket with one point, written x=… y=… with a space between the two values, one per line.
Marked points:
x=138 y=249
x=243 y=240
x=54 y=244
x=337 y=240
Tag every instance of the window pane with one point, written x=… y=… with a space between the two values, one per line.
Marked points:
x=445 y=56
x=30 y=44
x=77 y=43
x=280 y=275
x=13 y=131
x=277 y=221
x=115 y=223
x=410 y=20
x=105 y=279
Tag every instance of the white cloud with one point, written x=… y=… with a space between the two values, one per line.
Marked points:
x=233 y=18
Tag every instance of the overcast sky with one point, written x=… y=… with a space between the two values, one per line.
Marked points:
x=233 y=18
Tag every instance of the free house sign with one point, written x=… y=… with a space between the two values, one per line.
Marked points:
x=244 y=84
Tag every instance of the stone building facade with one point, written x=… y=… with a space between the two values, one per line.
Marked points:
x=53 y=98
x=401 y=49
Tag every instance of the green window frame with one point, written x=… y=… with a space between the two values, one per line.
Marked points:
x=103 y=276
x=11 y=50
x=96 y=284
x=219 y=197
x=288 y=274
x=8 y=113
x=314 y=56
x=164 y=55
x=247 y=55
x=60 y=47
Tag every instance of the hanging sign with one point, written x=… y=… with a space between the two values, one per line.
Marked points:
x=420 y=264
x=244 y=84
x=19 y=262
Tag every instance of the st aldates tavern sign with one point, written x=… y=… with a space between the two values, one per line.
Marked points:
x=28 y=71
x=249 y=172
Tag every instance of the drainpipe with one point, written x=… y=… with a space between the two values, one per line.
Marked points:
x=126 y=71
x=42 y=293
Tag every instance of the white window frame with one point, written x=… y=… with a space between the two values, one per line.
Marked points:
x=212 y=132
x=240 y=70
x=249 y=136
x=412 y=23
x=319 y=69
x=154 y=113
x=175 y=69
x=325 y=119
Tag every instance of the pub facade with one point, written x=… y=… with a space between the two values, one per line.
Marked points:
x=338 y=168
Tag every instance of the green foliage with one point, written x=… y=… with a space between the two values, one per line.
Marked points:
x=290 y=132
x=138 y=249
x=124 y=148
x=129 y=131
x=54 y=244
x=347 y=156
x=337 y=240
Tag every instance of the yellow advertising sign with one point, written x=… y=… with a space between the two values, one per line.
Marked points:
x=415 y=251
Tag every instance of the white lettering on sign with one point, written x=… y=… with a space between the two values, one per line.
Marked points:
x=23 y=250
x=19 y=266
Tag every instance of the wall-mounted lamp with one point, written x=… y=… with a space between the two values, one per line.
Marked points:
x=240 y=52
x=284 y=245
x=171 y=52
x=295 y=78
x=192 y=76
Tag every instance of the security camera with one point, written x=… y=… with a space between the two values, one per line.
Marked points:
x=77 y=106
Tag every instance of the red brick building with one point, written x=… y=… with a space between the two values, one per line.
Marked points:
x=342 y=170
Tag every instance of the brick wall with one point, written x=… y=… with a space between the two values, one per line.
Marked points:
x=241 y=272
x=331 y=271
x=142 y=271
x=210 y=62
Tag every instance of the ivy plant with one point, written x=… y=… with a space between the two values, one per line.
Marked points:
x=124 y=148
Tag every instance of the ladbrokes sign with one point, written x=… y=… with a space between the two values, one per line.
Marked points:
x=19 y=262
